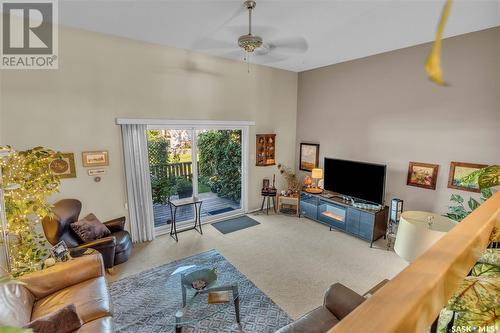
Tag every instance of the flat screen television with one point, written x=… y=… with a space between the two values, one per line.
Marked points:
x=360 y=180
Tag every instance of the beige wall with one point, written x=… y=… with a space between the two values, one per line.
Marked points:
x=100 y=77
x=383 y=109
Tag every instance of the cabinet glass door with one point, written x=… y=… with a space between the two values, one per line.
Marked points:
x=332 y=214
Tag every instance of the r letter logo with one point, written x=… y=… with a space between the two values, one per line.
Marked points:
x=29 y=35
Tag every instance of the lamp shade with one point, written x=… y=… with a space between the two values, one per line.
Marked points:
x=317 y=173
x=418 y=231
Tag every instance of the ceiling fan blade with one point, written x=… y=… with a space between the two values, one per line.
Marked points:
x=258 y=30
x=235 y=54
x=270 y=57
x=214 y=44
x=203 y=41
x=241 y=9
x=290 y=44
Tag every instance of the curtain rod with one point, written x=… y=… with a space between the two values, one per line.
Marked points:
x=143 y=121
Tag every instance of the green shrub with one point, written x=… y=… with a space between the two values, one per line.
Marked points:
x=220 y=161
x=183 y=185
x=162 y=188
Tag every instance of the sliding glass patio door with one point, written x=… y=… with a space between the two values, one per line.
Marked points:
x=204 y=162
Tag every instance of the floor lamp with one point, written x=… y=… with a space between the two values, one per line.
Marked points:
x=418 y=231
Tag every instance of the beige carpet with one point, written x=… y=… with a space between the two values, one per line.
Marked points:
x=292 y=260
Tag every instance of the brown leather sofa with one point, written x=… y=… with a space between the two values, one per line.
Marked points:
x=339 y=302
x=80 y=281
x=115 y=249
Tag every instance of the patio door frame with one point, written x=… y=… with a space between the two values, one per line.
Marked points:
x=193 y=126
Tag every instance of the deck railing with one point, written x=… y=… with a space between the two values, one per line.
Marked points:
x=182 y=169
x=413 y=299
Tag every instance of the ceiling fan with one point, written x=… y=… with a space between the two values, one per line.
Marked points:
x=252 y=44
x=249 y=42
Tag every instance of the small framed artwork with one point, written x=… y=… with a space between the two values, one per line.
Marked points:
x=309 y=156
x=64 y=166
x=458 y=171
x=95 y=158
x=60 y=252
x=422 y=175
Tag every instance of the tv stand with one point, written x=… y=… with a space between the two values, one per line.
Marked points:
x=343 y=197
x=333 y=210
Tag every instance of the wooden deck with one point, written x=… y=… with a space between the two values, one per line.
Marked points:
x=211 y=204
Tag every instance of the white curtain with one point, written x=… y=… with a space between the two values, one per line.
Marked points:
x=140 y=202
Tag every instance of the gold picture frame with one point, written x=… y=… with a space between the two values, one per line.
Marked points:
x=95 y=158
x=459 y=170
x=309 y=156
x=422 y=175
x=64 y=166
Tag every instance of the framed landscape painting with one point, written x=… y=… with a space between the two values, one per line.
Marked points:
x=422 y=175
x=95 y=158
x=309 y=156
x=64 y=166
x=458 y=171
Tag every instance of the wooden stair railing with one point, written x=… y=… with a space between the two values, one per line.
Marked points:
x=413 y=299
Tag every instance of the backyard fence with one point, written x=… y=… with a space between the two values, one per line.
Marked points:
x=182 y=169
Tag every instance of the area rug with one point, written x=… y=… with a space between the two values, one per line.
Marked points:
x=147 y=301
x=232 y=225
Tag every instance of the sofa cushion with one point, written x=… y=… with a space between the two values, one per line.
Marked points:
x=91 y=299
x=101 y=325
x=319 y=320
x=64 y=320
x=90 y=228
x=16 y=302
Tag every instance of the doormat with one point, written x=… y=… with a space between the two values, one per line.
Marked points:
x=220 y=211
x=235 y=224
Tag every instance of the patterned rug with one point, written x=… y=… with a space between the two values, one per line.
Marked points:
x=148 y=301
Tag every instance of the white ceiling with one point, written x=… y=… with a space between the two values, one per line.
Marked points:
x=335 y=31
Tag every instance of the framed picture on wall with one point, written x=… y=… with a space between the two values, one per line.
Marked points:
x=64 y=166
x=422 y=175
x=309 y=156
x=459 y=170
x=95 y=158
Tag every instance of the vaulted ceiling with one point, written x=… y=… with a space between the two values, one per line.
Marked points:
x=333 y=31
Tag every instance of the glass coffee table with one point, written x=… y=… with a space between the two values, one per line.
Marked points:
x=212 y=297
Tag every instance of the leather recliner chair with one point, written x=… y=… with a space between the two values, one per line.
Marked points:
x=115 y=249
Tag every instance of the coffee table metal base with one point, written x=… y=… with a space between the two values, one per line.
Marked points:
x=180 y=314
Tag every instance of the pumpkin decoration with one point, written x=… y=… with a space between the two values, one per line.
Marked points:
x=308 y=181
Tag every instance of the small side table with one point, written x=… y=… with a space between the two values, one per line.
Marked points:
x=269 y=194
x=291 y=201
x=173 y=212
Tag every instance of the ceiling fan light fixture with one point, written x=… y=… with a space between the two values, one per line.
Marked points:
x=249 y=42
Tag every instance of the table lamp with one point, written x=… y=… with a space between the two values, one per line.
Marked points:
x=418 y=231
x=316 y=174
